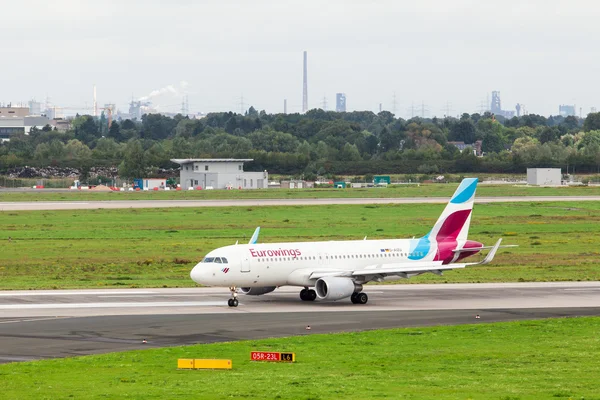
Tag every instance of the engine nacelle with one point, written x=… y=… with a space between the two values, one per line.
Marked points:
x=335 y=288
x=257 y=291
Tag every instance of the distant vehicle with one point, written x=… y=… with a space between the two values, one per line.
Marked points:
x=338 y=269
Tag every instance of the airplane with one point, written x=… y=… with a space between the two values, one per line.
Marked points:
x=339 y=269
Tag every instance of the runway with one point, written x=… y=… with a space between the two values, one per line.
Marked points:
x=113 y=204
x=49 y=324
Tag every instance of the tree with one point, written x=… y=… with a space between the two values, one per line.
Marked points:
x=108 y=150
x=349 y=153
x=270 y=140
x=389 y=140
x=492 y=143
x=463 y=131
x=134 y=160
x=114 y=132
x=75 y=150
x=86 y=129
x=592 y=122
x=157 y=126
x=549 y=135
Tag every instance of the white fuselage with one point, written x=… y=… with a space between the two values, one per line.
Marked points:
x=280 y=264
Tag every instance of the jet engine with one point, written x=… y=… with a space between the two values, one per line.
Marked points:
x=257 y=291
x=335 y=288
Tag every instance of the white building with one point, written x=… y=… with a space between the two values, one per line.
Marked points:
x=544 y=176
x=15 y=120
x=219 y=173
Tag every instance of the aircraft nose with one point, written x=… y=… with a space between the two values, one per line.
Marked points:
x=197 y=274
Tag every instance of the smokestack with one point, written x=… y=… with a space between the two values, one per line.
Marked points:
x=285 y=106
x=95 y=111
x=305 y=87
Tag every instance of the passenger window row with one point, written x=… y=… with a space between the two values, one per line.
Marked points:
x=342 y=257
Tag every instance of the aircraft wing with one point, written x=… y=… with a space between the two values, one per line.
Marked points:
x=404 y=269
x=399 y=269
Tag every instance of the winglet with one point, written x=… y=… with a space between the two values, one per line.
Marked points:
x=491 y=254
x=254 y=237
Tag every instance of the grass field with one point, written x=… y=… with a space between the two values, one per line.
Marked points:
x=158 y=247
x=426 y=190
x=517 y=360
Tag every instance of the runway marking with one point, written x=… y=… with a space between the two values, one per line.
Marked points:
x=67 y=293
x=111 y=305
x=159 y=295
x=32 y=320
x=595 y=290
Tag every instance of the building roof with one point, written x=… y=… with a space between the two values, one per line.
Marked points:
x=191 y=160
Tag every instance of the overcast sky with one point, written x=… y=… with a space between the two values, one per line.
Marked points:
x=540 y=53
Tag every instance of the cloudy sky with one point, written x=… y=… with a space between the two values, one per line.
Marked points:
x=540 y=53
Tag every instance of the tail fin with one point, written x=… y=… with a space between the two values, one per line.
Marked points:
x=454 y=222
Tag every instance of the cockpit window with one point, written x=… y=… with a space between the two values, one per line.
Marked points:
x=218 y=260
x=224 y=260
x=208 y=259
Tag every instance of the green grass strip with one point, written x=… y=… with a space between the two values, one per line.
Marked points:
x=158 y=247
x=545 y=359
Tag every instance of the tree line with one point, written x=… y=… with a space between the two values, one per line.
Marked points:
x=316 y=143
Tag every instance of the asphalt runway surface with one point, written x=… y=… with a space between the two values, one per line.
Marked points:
x=50 y=324
x=112 y=204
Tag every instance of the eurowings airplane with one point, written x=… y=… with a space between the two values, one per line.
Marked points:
x=339 y=269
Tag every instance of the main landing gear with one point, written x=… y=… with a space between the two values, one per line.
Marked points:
x=359 y=298
x=307 y=294
x=233 y=301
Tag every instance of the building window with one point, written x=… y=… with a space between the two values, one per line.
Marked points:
x=195 y=182
x=196 y=168
x=186 y=168
x=244 y=183
x=206 y=167
x=250 y=182
x=240 y=167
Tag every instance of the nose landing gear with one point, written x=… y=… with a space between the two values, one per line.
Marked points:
x=233 y=301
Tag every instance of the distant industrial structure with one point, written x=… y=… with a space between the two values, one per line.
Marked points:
x=544 y=176
x=219 y=173
x=340 y=102
x=565 y=110
x=305 y=85
x=496 y=106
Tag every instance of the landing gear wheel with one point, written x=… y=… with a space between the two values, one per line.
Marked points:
x=308 y=295
x=303 y=294
x=353 y=298
x=232 y=302
x=362 y=298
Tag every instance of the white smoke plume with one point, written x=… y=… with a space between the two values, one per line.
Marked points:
x=167 y=89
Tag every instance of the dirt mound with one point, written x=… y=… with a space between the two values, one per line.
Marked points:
x=101 y=188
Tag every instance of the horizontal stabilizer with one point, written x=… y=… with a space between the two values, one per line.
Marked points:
x=490 y=256
x=471 y=249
